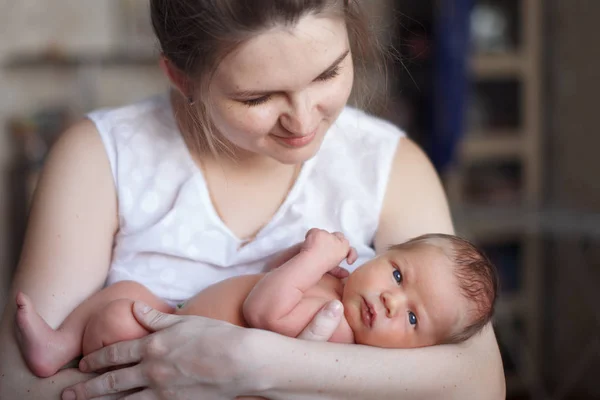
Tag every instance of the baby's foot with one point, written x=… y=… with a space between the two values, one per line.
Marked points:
x=42 y=347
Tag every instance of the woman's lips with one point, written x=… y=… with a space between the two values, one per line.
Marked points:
x=297 y=141
x=368 y=313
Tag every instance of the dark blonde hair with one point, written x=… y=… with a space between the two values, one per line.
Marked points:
x=476 y=275
x=195 y=35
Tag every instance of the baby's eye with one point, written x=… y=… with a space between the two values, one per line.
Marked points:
x=397 y=275
x=412 y=318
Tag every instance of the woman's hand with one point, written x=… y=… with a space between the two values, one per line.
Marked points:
x=187 y=357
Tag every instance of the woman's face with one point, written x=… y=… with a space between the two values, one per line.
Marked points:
x=278 y=93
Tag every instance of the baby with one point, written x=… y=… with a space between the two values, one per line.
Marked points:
x=430 y=290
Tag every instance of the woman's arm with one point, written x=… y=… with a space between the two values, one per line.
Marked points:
x=232 y=361
x=300 y=370
x=66 y=254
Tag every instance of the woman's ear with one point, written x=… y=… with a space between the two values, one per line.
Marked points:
x=177 y=77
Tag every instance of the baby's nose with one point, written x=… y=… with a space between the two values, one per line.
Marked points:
x=393 y=302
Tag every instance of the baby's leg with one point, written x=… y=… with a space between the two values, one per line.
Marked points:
x=46 y=350
x=115 y=322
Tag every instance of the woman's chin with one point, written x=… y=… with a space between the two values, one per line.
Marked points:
x=290 y=155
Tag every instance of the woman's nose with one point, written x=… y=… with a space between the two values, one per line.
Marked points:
x=393 y=302
x=299 y=118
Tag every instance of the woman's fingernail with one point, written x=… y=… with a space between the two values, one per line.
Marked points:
x=334 y=309
x=69 y=395
x=83 y=366
x=143 y=307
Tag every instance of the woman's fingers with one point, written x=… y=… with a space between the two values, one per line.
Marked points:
x=143 y=395
x=115 y=355
x=152 y=319
x=324 y=323
x=113 y=382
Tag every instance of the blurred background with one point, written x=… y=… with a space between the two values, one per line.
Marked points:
x=500 y=93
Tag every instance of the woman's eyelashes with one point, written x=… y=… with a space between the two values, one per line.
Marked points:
x=332 y=73
x=328 y=75
x=257 y=101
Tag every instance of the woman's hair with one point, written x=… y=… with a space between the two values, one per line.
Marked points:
x=195 y=35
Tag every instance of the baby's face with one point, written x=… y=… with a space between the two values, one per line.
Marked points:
x=405 y=298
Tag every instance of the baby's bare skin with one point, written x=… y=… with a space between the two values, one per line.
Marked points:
x=107 y=317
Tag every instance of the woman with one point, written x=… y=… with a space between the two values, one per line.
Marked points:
x=269 y=150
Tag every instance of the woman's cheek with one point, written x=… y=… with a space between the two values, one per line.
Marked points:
x=240 y=117
x=258 y=120
x=337 y=96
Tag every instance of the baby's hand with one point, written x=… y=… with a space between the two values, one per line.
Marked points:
x=333 y=247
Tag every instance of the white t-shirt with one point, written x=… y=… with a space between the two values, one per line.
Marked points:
x=171 y=239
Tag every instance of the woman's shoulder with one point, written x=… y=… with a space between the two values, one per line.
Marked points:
x=150 y=118
x=141 y=108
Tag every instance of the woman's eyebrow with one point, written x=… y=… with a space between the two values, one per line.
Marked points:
x=259 y=93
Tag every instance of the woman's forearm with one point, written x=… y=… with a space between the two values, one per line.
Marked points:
x=17 y=384
x=472 y=370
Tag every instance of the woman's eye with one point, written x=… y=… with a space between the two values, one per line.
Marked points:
x=397 y=275
x=257 y=101
x=329 y=74
x=412 y=318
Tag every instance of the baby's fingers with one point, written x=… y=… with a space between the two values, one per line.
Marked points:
x=352 y=256
x=339 y=272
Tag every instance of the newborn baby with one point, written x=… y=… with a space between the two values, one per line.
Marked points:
x=430 y=290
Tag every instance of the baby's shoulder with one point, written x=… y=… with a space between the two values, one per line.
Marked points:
x=328 y=288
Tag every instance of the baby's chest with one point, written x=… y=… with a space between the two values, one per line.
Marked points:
x=328 y=288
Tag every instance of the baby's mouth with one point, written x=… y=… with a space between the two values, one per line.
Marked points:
x=368 y=313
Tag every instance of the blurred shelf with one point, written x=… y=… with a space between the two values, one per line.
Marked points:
x=50 y=60
x=492 y=224
x=502 y=65
x=507 y=94
x=479 y=219
x=510 y=305
x=515 y=384
x=492 y=145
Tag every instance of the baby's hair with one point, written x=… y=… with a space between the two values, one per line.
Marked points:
x=477 y=278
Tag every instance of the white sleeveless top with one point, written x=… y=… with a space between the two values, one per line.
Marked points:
x=171 y=239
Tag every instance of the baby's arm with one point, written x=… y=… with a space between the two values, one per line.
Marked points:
x=278 y=302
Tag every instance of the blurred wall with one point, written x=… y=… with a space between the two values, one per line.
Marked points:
x=71 y=26
x=573 y=166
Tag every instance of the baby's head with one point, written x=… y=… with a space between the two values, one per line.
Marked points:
x=430 y=290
